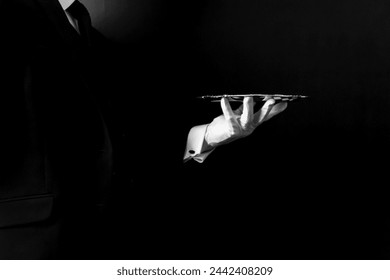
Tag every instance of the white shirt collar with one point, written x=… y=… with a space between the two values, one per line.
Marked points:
x=66 y=3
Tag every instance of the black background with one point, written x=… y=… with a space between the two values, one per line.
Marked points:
x=311 y=183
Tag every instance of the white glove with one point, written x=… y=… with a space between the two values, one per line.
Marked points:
x=233 y=125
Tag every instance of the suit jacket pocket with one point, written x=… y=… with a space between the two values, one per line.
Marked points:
x=25 y=210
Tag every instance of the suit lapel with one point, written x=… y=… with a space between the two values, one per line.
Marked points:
x=56 y=15
x=58 y=18
x=68 y=34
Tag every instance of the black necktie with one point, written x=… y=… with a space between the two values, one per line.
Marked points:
x=78 y=11
x=104 y=150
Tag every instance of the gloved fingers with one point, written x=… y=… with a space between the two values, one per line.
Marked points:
x=227 y=109
x=264 y=111
x=247 y=112
x=276 y=109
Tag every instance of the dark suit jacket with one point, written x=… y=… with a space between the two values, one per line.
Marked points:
x=56 y=116
x=56 y=154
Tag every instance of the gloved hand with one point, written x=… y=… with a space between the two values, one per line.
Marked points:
x=233 y=125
